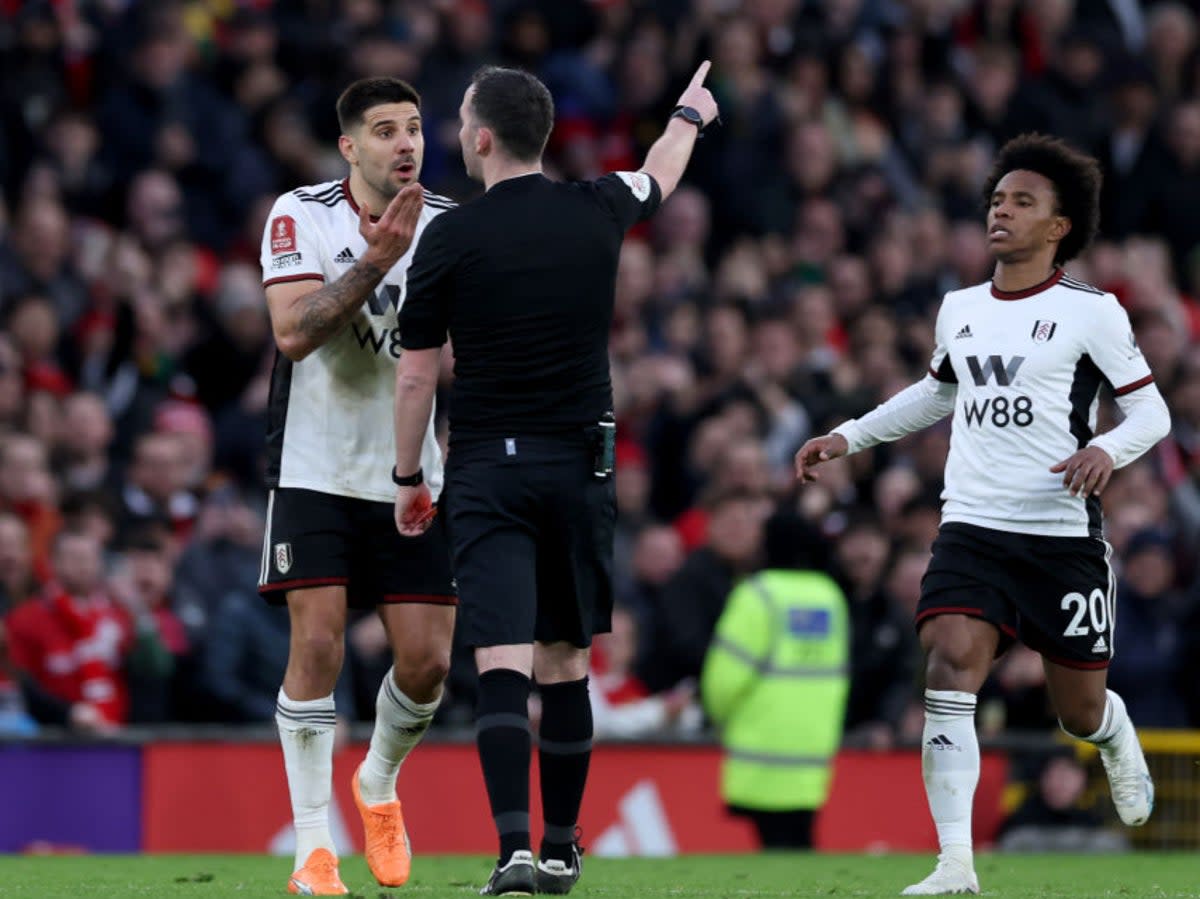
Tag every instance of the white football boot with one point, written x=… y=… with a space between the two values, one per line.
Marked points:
x=1128 y=776
x=954 y=875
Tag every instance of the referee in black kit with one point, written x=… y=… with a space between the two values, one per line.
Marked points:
x=522 y=281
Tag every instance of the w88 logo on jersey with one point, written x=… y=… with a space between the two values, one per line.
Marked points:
x=999 y=412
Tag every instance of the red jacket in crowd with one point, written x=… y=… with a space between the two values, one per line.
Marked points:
x=74 y=649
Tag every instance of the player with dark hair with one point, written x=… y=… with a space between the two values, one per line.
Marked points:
x=1076 y=179
x=1020 y=553
x=335 y=274
x=522 y=280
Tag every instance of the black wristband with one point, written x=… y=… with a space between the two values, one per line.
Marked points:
x=411 y=480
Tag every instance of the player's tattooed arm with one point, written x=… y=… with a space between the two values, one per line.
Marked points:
x=330 y=309
x=304 y=318
x=306 y=314
x=326 y=311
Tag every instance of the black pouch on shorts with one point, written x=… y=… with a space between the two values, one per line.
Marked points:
x=602 y=437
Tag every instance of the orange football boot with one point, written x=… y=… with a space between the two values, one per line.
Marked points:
x=318 y=877
x=389 y=854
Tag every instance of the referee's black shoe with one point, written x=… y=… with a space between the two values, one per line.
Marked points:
x=514 y=878
x=556 y=876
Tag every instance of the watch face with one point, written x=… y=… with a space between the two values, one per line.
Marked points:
x=687 y=113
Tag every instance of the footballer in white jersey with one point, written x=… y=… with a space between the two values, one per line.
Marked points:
x=335 y=258
x=330 y=418
x=1028 y=367
x=1019 y=362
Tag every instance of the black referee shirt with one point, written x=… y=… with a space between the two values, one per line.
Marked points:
x=522 y=280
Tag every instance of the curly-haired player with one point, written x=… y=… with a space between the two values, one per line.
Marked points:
x=1020 y=553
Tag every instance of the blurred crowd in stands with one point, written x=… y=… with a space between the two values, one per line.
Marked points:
x=792 y=282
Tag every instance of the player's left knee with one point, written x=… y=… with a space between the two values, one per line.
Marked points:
x=435 y=670
x=422 y=674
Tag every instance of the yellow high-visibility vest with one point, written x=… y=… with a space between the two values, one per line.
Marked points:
x=775 y=681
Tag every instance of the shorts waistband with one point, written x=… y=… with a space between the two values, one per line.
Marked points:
x=512 y=443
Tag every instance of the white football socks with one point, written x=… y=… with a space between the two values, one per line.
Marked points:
x=399 y=725
x=950 y=766
x=306 y=730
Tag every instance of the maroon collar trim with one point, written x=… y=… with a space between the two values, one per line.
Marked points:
x=350 y=198
x=1015 y=294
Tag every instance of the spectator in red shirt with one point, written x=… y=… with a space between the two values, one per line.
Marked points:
x=73 y=639
x=25 y=705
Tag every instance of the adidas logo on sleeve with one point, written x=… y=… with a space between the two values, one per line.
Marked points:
x=345 y=257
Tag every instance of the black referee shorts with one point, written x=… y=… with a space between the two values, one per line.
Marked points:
x=531 y=538
x=1056 y=594
x=318 y=539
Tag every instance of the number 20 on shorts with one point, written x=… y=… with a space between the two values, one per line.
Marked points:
x=1093 y=607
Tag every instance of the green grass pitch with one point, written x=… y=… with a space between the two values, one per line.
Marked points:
x=1136 y=876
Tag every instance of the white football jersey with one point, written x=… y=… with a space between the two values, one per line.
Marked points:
x=1028 y=366
x=330 y=417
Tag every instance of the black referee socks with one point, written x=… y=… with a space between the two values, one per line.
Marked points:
x=502 y=735
x=564 y=751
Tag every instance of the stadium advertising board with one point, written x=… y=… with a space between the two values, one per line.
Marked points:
x=641 y=800
x=877 y=803
x=64 y=799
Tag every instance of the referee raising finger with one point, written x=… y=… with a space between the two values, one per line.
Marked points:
x=522 y=281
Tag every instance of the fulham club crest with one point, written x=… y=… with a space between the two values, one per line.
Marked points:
x=283 y=557
x=1043 y=331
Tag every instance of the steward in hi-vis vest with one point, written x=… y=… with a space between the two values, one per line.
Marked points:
x=775 y=681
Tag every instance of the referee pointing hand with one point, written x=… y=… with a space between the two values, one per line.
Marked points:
x=522 y=281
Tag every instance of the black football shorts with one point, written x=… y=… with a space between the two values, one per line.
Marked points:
x=318 y=539
x=1057 y=595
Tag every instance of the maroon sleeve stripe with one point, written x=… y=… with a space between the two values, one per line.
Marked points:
x=283 y=279
x=1130 y=388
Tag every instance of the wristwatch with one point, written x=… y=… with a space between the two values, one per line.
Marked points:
x=689 y=114
x=411 y=480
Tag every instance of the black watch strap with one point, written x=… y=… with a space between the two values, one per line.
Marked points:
x=411 y=480
x=689 y=114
